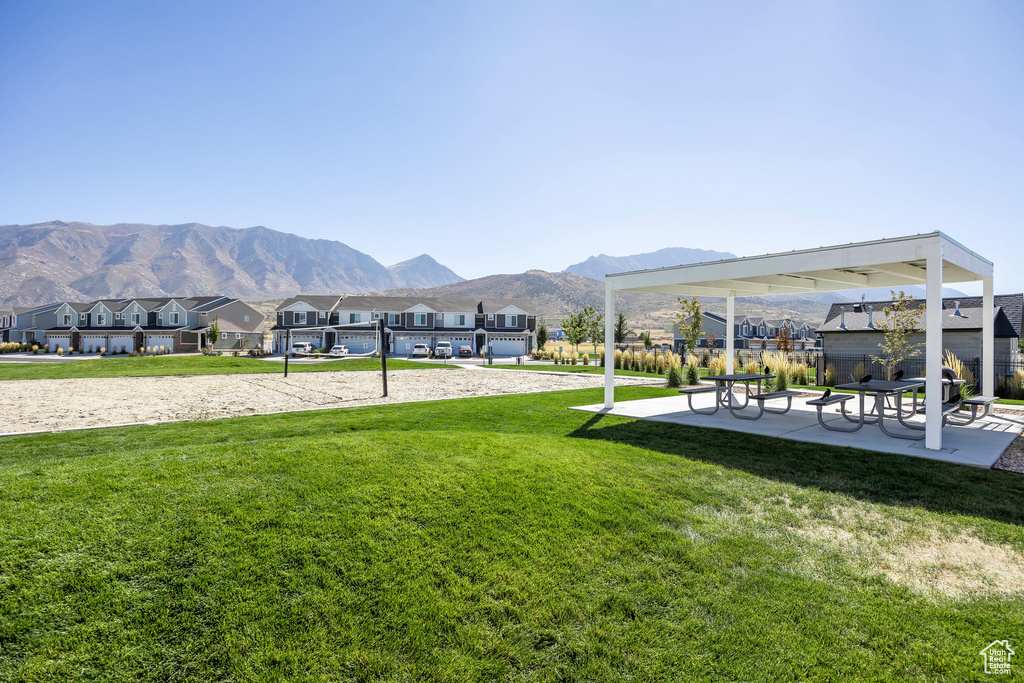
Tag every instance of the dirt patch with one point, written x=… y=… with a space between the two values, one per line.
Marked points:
x=95 y=402
x=933 y=560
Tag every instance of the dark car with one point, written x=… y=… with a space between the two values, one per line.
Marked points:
x=465 y=351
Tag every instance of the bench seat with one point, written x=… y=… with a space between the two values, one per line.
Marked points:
x=774 y=394
x=831 y=400
x=980 y=400
x=700 y=389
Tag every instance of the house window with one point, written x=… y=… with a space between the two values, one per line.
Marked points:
x=421 y=319
x=760 y=330
x=300 y=317
x=355 y=318
x=746 y=329
x=510 y=321
x=81 y=317
x=117 y=316
x=244 y=317
x=135 y=318
x=323 y=314
x=67 y=319
x=460 y=320
x=173 y=317
x=394 y=318
x=238 y=335
x=101 y=319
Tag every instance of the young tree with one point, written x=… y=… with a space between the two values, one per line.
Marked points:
x=594 y=325
x=213 y=334
x=710 y=341
x=784 y=340
x=575 y=329
x=690 y=322
x=645 y=339
x=621 y=329
x=542 y=336
x=901 y=321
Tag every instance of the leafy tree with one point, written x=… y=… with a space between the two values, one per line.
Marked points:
x=901 y=321
x=690 y=322
x=645 y=339
x=575 y=329
x=711 y=341
x=595 y=326
x=784 y=340
x=213 y=334
x=542 y=336
x=621 y=329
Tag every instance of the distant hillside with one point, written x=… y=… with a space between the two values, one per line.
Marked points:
x=423 y=271
x=80 y=261
x=596 y=267
x=556 y=295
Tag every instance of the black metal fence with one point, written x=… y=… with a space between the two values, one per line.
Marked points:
x=832 y=369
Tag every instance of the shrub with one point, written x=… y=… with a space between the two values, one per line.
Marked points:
x=103 y=350
x=778 y=364
x=829 y=380
x=586 y=359
x=716 y=366
x=573 y=356
x=692 y=376
x=617 y=359
x=235 y=353
x=798 y=373
x=674 y=377
x=60 y=351
x=969 y=388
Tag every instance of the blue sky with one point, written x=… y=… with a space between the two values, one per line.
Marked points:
x=505 y=136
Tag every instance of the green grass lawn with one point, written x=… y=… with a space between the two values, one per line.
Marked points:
x=586 y=369
x=497 y=538
x=150 y=366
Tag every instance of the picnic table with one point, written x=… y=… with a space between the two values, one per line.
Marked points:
x=880 y=390
x=726 y=398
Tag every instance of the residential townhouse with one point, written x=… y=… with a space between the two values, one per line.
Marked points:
x=176 y=323
x=506 y=326
x=853 y=329
x=754 y=333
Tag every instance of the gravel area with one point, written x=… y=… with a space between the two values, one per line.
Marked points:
x=75 y=403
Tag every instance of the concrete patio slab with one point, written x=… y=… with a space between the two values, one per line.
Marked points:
x=980 y=444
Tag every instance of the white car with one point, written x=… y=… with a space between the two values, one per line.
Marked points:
x=420 y=350
x=443 y=350
x=301 y=348
x=339 y=350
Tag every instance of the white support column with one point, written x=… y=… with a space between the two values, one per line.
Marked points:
x=730 y=333
x=988 y=341
x=933 y=350
x=609 y=344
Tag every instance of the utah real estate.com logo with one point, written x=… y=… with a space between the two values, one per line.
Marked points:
x=997 y=657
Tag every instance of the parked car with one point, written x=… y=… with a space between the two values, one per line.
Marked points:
x=421 y=350
x=301 y=347
x=465 y=351
x=443 y=350
x=339 y=350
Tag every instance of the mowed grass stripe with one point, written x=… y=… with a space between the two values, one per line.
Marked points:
x=155 y=366
x=479 y=539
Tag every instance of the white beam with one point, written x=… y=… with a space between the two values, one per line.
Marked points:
x=730 y=333
x=903 y=270
x=988 y=341
x=933 y=351
x=836 y=276
x=609 y=344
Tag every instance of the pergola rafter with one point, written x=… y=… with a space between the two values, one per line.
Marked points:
x=929 y=259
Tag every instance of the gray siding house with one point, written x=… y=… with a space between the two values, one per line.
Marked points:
x=852 y=329
x=752 y=332
x=506 y=326
x=176 y=323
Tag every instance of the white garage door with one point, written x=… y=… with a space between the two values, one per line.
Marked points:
x=507 y=346
x=315 y=339
x=93 y=344
x=125 y=342
x=161 y=341
x=403 y=345
x=457 y=340
x=357 y=344
x=58 y=342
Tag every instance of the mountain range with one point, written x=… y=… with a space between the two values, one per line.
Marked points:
x=79 y=261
